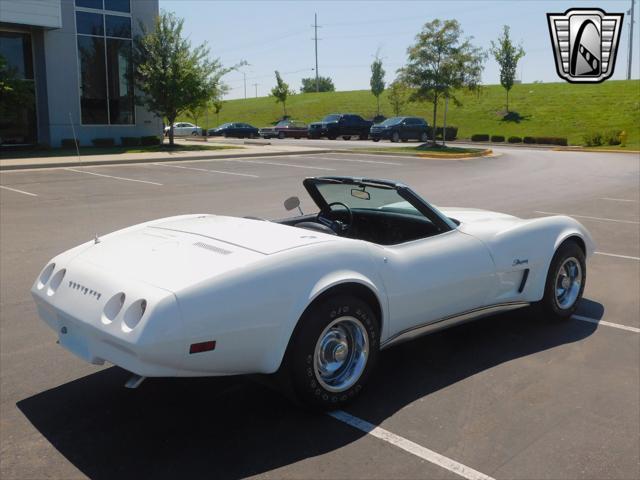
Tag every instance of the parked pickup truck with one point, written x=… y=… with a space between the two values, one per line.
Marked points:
x=343 y=125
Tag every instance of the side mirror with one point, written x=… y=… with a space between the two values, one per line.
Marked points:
x=292 y=203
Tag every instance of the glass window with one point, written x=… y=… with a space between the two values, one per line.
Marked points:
x=120 y=75
x=93 y=80
x=18 y=122
x=392 y=121
x=118 y=26
x=117 y=5
x=89 y=23
x=16 y=50
x=89 y=4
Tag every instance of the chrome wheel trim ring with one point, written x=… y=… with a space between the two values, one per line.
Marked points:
x=341 y=354
x=568 y=283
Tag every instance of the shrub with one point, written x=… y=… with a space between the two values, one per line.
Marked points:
x=612 y=137
x=529 y=140
x=592 y=139
x=130 y=141
x=514 y=139
x=103 y=142
x=70 y=143
x=552 y=141
x=497 y=138
x=480 y=137
x=150 y=140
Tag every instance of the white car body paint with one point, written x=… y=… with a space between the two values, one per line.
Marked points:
x=245 y=284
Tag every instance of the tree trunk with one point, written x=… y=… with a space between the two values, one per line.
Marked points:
x=435 y=111
x=171 y=120
x=507 y=100
x=378 y=100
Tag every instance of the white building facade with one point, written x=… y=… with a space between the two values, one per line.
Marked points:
x=76 y=57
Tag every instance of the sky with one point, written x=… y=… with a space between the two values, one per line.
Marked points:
x=278 y=35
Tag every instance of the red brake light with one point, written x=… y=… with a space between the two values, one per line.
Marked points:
x=202 y=347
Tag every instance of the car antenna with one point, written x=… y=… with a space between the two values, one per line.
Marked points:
x=76 y=142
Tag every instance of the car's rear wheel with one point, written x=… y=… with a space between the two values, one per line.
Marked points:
x=565 y=282
x=346 y=137
x=333 y=352
x=375 y=139
x=395 y=137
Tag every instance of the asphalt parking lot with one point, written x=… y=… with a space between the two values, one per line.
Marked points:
x=510 y=396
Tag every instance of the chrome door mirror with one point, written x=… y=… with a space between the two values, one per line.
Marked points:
x=292 y=203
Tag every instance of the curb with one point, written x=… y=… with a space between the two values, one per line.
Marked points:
x=593 y=150
x=434 y=156
x=34 y=166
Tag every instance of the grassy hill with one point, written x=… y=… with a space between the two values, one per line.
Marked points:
x=542 y=109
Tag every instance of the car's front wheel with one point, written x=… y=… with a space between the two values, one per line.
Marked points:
x=565 y=282
x=333 y=352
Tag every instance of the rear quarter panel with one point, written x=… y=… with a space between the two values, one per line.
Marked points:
x=252 y=312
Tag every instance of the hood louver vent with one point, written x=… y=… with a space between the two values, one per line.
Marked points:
x=212 y=248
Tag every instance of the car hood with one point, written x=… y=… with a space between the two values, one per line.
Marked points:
x=174 y=253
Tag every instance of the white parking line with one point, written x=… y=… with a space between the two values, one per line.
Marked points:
x=619 y=199
x=628 y=257
x=206 y=170
x=589 y=218
x=282 y=165
x=19 y=191
x=111 y=176
x=409 y=446
x=353 y=160
x=608 y=324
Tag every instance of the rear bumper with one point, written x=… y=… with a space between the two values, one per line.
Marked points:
x=95 y=345
x=380 y=134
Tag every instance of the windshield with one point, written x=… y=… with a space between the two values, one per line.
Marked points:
x=225 y=125
x=331 y=118
x=366 y=197
x=391 y=121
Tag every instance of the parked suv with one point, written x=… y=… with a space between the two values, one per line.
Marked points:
x=343 y=125
x=401 y=128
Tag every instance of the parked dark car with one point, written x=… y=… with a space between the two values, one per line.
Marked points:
x=238 y=130
x=285 y=129
x=401 y=128
x=343 y=125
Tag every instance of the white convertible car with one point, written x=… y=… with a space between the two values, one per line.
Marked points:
x=314 y=297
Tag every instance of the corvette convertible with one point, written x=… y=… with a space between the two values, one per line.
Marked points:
x=313 y=298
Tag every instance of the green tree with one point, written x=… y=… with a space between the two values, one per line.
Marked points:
x=377 y=80
x=507 y=55
x=14 y=91
x=325 y=84
x=398 y=95
x=281 y=92
x=440 y=63
x=217 y=105
x=172 y=76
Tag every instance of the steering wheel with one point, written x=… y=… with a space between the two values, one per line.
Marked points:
x=337 y=226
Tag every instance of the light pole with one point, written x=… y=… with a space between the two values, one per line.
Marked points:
x=630 y=57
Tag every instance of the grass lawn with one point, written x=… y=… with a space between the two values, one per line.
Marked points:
x=537 y=109
x=65 y=152
x=419 y=150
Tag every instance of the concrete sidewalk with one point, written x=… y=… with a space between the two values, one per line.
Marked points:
x=131 y=158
